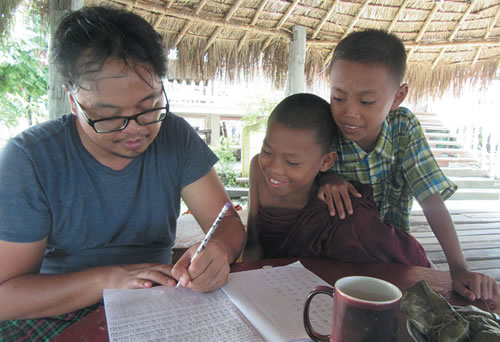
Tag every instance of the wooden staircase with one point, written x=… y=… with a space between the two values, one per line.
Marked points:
x=473 y=207
x=462 y=166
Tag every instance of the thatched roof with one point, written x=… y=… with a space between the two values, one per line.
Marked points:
x=448 y=41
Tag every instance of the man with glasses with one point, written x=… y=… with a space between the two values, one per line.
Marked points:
x=90 y=200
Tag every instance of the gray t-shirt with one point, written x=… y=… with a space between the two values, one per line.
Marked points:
x=51 y=186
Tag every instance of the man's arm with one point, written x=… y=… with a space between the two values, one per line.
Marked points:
x=471 y=285
x=205 y=198
x=24 y=293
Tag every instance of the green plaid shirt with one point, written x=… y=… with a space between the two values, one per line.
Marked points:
x=400 y=166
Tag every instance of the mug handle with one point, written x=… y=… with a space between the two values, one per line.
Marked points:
x=307 y=323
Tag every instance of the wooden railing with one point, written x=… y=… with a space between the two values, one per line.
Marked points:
x=191 y=94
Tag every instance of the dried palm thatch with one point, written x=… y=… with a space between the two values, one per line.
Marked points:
x=449 y=42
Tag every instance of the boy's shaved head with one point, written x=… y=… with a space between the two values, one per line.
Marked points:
x=308 y=112
x=374 y=47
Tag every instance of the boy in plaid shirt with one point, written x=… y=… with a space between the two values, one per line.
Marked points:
x=383 y=145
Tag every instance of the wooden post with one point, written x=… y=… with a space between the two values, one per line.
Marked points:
x=213 y=121
x=295 y=82
x=58 y=101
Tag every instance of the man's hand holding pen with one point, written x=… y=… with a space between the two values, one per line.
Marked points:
x=207 y=273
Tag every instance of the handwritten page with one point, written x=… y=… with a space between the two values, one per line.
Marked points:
x=257 y=305
x=170 y=314
x=272 y=299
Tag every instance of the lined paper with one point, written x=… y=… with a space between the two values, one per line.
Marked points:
x=257 y=305
x=170 y=314
x=272 y=299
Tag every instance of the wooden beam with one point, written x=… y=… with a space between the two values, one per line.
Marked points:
x=186 y=27
x=455 y=31
x=476 y=55
x=252 y=23
x=441 y=53
x=287 y=37
x=427 y=22
x=266 y=44
x=258 y=12
x=218 y=29
x=492 y=24
x=461 y=21
x=181 y=34
x=486 y=36
x=233 y=10
x=466 y=43
x=398 y=15
x=242 y=40
x=212 y=38
x=356 y=18
x=287 y=13
x=325 y=18
x=189 y=17
x=280 y=23
x=423 y=28
x=351 y=25
x=158 y=20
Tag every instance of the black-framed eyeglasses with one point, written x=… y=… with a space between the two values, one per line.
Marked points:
x=119 y=123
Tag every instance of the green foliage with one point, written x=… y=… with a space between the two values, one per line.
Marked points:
x=225 y=165
x=259 y=111
x=24 y=74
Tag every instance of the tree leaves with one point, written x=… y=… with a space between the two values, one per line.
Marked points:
x=24 y=76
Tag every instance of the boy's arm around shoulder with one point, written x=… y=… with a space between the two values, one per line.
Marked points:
x=334 y=190
x=253 y=249
x=471 y=285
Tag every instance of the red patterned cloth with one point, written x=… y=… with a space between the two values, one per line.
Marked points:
x=43 y=329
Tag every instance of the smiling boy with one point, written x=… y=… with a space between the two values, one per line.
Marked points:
x=286 y=219
x=383 y=145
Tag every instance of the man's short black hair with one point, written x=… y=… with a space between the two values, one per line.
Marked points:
x=100 y=32
x=308 y=112
x=372 y=46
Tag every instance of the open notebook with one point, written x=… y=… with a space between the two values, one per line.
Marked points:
x=258 y=305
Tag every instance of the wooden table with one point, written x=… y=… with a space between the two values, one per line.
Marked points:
x=92 y=328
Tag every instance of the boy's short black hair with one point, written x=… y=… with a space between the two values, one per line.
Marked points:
x=373 y=47
x=307 y=111
x=100 y=32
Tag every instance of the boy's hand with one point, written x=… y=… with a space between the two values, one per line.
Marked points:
x=334 y=191
x=473 y=285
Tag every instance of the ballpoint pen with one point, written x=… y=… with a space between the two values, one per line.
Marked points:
x=210 y=233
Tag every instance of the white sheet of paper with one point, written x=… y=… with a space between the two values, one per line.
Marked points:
x=270 y=303
x=273 y=299
x=170 y=314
